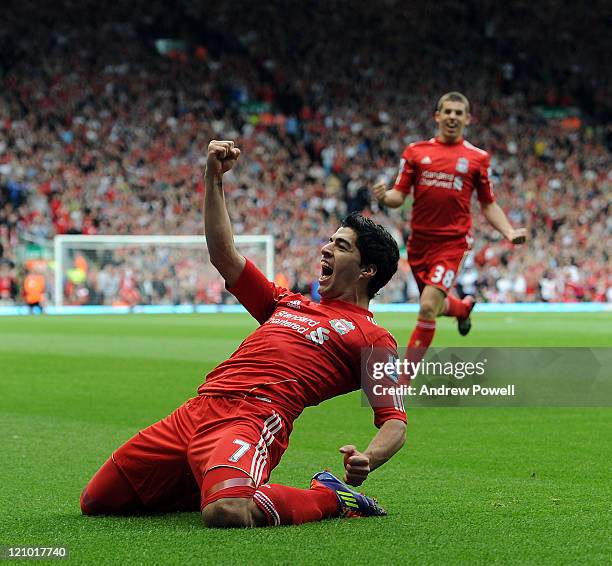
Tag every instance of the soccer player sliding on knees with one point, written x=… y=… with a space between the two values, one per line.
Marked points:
x=443 y=173
x=215 y=453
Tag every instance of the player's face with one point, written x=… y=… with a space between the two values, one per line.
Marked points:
x=452 y=119
x=340 y=266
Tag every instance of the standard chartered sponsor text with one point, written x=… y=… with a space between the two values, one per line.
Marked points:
x=291 y=320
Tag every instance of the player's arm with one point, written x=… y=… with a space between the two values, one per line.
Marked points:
x=492 y=211
x=222 y=156
x=391 y=198
x=388 y=440
x=395 y=197
x=242 y=278
x=387 y=403
x=497 y=218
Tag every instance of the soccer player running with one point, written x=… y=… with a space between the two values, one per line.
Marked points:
x=442 y=173
x=215 y=453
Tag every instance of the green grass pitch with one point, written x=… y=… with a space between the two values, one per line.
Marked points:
x=478 y=485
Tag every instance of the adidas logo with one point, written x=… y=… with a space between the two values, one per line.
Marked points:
x=295 y=304
x=426 y=160
x=348 y=498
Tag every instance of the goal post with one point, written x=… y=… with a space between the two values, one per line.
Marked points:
x=96 y=253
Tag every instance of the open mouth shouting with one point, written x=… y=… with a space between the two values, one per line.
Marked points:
x=326 y=271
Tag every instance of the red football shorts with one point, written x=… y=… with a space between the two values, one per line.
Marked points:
x=209 y=448
x=437 y=262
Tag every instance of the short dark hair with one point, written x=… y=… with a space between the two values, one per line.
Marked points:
x=377 y=247
x=454 y=96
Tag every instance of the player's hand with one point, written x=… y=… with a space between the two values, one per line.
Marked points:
x=518 y=236
x=222 y=156
x=356 y=465
x=379 y=190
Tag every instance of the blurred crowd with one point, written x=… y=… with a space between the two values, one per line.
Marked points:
x=103 y=131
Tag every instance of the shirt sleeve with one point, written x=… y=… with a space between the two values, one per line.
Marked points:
x=256 y=293
x=483 y=183
x=380 y=381
x=405 y=177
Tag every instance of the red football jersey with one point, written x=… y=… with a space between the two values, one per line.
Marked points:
x=444 y=176
x=304 y=352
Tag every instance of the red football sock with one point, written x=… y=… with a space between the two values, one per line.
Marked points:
x=420 y=339
x=423 y=334
x=455 y=307
x=109 y=493
x=285 y=505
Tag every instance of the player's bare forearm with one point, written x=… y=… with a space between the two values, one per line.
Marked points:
x=388 y=440
x=497 y=218
x=391 y=198
x=217 y=226
x=394 y=198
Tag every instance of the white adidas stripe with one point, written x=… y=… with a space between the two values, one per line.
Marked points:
x=260 y=456
x=260 y=463
x=400 y=403
x=268 y=433
x=268 y=505
x=477 y=149
x=396 y=402
x=259 y=459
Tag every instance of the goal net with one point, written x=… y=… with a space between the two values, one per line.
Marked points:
x=146 y=270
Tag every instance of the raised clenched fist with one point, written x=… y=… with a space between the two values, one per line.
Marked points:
x=518 y=236
x=222 y=156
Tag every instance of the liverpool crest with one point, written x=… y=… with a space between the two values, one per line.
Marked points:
x=463 y=165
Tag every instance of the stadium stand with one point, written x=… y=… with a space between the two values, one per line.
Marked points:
x=103 y=131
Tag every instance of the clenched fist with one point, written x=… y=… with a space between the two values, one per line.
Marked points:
x=356 y=465
x=518 y=236
x=222 y=156
x=379 y=190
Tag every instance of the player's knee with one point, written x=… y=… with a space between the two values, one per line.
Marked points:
x=428 y=309
x=108 y=493
x=88 y=505
x=227 y=513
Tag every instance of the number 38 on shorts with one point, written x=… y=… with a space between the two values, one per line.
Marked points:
x=440 y=275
